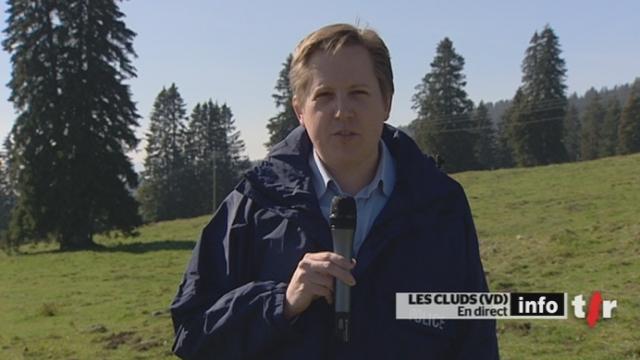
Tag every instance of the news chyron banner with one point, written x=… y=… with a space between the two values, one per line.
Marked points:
x=495 y=305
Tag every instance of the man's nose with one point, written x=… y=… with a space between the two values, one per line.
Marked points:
x=343 y=107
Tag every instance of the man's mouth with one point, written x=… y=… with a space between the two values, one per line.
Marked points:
x=345 y=133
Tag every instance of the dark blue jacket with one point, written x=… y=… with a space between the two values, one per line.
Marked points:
x=230 y=302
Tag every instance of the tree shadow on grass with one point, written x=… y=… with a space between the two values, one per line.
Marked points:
x=131 y=247
x=145 y=247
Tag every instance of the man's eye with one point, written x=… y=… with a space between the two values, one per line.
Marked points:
x=360 y=92
x=322 y=95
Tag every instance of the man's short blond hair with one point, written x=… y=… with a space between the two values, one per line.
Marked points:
x=332 y=38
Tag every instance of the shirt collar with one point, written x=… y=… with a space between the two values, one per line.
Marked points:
x=384 y=178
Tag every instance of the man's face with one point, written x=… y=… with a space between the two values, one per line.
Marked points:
x=344 y=109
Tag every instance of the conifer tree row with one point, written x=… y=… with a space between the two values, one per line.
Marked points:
x=629 y=129
x=191 y=164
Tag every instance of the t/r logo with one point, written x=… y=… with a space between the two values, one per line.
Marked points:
x=595 y=305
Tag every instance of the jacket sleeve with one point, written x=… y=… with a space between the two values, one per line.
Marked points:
x=219 y=312
x=477 y=338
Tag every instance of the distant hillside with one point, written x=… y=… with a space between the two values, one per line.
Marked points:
x=619 y=92
x=497 y=108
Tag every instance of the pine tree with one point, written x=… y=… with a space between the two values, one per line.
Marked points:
x=504 y=158
x=572 y=132
x=286 y=120
x=233 y=148
x=485 y=147
x=505 y=147
x=161 y=192
x=75 y=122
x=444 y=125
x=7 y=198
x=592 y=129
x=197 y=178
x=517 y=123
x=629 y=129
x=539 y=119
x=609 y=133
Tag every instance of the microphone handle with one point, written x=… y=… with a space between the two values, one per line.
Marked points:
x=342 y=245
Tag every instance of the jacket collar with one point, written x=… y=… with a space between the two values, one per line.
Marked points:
x=383 y=179
x=283 y=180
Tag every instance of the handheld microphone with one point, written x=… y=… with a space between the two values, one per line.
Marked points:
x=343 y=223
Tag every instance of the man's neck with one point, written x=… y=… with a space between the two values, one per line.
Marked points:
x=354 y=177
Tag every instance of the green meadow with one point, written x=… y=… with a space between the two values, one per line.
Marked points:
x=571 y=228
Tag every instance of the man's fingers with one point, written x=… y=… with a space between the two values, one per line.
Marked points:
x=328 y=267
x=321 y=291
x=321 y=279
x=334 y=258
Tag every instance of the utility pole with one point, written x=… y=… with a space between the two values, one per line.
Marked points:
x=214 y=180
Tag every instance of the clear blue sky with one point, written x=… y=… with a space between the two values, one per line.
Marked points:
x=232 y=51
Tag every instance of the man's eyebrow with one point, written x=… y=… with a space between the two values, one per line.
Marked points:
x=321 y=87
x=359 y=85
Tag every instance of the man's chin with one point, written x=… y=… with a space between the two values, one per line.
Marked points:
x=345 y=163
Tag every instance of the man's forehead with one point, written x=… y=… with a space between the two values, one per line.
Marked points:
x=322 y=84
x=351 y=67
x=321 y=55
x=320 y=80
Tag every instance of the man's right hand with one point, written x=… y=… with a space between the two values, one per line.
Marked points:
x=314 y=278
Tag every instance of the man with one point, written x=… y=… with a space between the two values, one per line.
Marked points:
x=260 y=282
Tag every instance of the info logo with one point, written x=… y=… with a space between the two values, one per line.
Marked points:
x=596 y=307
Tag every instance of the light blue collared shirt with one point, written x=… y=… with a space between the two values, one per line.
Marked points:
x=369 y=200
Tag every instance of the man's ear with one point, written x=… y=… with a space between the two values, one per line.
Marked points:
x=297 y=108
x=387 y=103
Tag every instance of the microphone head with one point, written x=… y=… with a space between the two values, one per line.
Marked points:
x=343 y=212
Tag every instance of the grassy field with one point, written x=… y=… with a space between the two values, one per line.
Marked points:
x=569 y=228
